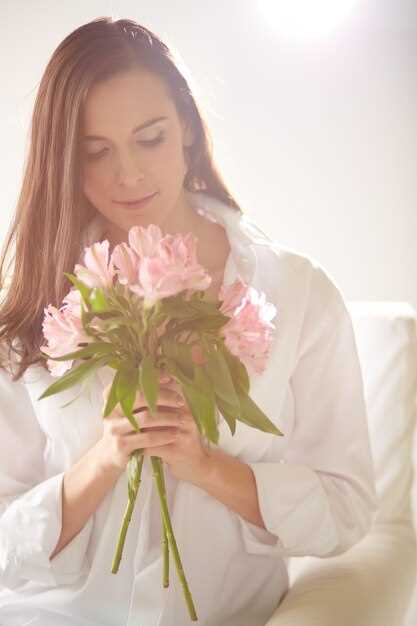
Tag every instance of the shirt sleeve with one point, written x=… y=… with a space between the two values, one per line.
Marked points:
x=319 y=499
x=30 y=502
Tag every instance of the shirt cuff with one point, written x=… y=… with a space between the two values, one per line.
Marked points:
x=259 y=540
x=30 y=528
x=296 y=514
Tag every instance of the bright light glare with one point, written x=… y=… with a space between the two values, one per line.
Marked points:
x=305 y=19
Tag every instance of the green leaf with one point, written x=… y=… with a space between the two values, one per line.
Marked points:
x=184 y=359
x=125 y=379
x=90 y=350
x=126 y=392
x=199 y=323
x=76 y=397
x=207 y=307
x=114 y=363
x=252 y=415
x=192 y=397
x=82 y=288
x=220 y=377
x=157 y=319
x=200 y=398
x=112 y=399
x=98 y=300
x=238 y=371
x=228 y=414
x=85 y=385
x=203 y=410
x=201 y=379
x=85 y=318
x=127 y=405
x=73 y=376
x=180 y=355
x=177 y=309
x=208 y=322
x=149 y=382
x=118 y=321
x=176 y=372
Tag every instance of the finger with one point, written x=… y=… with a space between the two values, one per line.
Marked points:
x=121 y=425
x=168 y=381
x=173 y=384
x=161 y=418
x=152 y=438
x=146 y=421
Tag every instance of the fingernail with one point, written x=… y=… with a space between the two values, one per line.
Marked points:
x=165 y=379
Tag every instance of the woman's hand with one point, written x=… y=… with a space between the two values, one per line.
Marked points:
x=170 y=434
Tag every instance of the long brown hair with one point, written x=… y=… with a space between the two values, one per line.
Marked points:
x=52 y=210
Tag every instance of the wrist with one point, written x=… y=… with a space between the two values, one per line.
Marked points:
x=212 y=468
x=232 y=482
x=103 y=466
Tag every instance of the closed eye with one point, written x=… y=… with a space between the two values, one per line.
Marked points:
x=149 y=143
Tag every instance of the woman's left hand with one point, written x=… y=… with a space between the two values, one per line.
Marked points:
x=188 y=457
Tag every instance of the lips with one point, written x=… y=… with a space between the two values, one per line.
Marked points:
x=135 y=201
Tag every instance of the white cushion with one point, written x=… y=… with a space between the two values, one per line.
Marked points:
x=386 y=339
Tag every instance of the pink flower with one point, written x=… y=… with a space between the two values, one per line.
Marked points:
x=145 y=241
x=232 y=296
x=156 y=266
x=97 y=272
x=248 y=334
x=127 y=262
x=73 y=301
x=156 y=280
x=63 y=331
x=181 y=254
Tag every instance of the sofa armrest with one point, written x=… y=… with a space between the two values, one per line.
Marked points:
x=369 y=585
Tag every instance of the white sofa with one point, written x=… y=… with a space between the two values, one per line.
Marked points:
x=374 y=583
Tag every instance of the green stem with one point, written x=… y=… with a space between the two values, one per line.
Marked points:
x=157 y=473
x=127 y=517
x=165 y=546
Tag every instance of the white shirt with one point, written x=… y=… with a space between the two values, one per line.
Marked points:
x=315 y=484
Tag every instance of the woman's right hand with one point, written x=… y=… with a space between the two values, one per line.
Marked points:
x=120 y=439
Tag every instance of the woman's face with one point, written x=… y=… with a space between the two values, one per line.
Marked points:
x=129 y=157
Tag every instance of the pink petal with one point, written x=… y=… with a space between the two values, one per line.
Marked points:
x=127 y=262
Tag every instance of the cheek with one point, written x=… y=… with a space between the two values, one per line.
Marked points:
x=174 y=156
x=95 y=180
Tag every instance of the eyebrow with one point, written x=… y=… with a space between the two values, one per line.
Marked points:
x=144 y=125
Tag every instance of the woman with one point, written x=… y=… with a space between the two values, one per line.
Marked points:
x=115 y=122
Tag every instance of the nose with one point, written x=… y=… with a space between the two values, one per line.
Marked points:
x=128 y=170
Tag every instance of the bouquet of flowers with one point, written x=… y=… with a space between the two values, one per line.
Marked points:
x=142 y=312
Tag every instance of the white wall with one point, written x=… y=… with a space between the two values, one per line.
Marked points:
x=316 y=140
